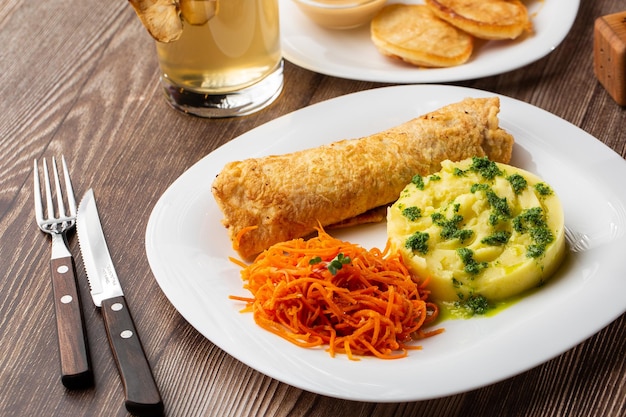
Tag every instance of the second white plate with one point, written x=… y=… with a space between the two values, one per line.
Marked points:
x=351 y=54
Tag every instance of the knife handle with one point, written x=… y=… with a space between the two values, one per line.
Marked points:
x=140 y=390
x=76 y=371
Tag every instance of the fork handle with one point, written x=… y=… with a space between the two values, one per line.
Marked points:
x=76 y=370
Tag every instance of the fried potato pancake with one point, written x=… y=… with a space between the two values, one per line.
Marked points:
x=276 y=198
x=414 y=34
x=484 y=19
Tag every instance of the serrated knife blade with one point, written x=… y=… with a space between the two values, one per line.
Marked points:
x=142 y=397
x=103 y=282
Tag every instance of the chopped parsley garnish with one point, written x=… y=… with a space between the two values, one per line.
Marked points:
x=463 y=234
x=542 y=235
x=418 y=181
x=498 y=238
x=434 y=177
x=543 y=189
x=532 y=221
x=535 y=251
x=518 y=183
x=500 y=208
x=418 y=242
x=529 y=218
x=412 y=213
x=479 y=187
x=474 y=304
x=336 y=264
x=472 y=267
x=485 y=167
x=450 y=227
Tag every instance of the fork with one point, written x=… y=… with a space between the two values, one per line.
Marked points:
x=578 y=242
x=76 y=371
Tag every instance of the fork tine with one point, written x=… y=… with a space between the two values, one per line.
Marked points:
x=57 y=187
x=37 y=193
x=46 y=178
x=69 y=190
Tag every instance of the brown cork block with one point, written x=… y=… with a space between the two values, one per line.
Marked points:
x=609 y=54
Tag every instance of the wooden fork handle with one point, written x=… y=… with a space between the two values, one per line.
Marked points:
x=76 y=370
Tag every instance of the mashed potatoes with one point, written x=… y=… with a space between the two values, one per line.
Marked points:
x=482 y=231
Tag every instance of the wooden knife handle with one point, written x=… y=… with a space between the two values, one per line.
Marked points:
x=141 y=392
x=76 y=370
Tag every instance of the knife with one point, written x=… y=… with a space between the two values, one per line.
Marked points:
x=142 y=397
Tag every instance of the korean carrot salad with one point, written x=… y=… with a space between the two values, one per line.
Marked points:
x=324 y=292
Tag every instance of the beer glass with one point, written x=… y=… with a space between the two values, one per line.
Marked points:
x=227 y=61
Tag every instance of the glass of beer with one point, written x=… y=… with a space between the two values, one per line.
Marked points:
x=227 y=61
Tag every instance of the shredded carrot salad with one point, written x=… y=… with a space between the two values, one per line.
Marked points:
x=324 y=291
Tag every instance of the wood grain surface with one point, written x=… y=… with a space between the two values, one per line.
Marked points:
x=80 y=78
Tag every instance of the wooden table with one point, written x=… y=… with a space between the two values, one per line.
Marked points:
x=79 y=78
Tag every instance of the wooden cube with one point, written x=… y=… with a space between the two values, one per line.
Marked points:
x=609 y=54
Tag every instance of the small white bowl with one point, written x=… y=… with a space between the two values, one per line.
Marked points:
x=340 y=14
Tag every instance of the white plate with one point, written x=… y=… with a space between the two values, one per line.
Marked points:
x=351 y=54
x=188 y=251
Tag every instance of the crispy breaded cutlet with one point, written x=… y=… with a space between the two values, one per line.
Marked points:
x=484 y=19
x=414 y=34
x=283 y=197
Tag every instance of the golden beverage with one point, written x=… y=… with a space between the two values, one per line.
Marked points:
x=234 y=50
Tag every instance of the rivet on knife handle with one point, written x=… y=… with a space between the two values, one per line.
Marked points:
x=141 y=392
x=76 y=369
